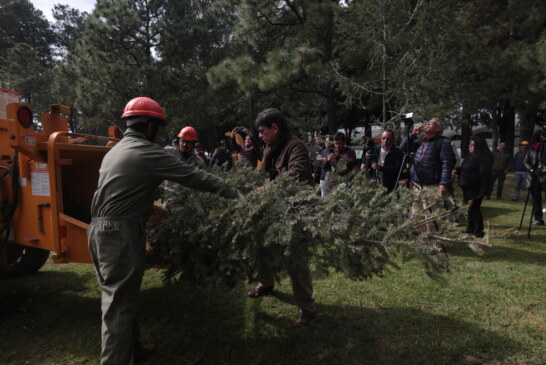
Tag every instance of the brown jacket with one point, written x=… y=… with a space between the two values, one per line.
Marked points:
x=292 y=158
x=502 y=160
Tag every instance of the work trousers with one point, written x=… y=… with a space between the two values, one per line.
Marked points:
x=474 y=218
x=520 y=178
x=118 y=247
x=300 y=278
x=423 y=208
x=501 y=176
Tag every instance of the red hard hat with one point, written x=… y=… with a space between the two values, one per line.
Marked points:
x=143 y=106
x=188 y=134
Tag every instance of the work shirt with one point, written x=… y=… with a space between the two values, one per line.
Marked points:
x=133 y=169
x=190 y=158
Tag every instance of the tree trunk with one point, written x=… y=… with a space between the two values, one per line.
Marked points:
x=331 y=109
x=331 y=93
x=506 y=127
x=528 y=120
x=495 y=126
x=251 y=112
x=384 y=70
x=466 y=133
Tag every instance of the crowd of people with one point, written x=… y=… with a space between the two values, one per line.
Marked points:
x=133 y=169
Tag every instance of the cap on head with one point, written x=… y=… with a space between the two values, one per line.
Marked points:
x=143 y=106
x=188 y=134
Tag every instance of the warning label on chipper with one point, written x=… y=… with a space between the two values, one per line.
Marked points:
x=40 y=182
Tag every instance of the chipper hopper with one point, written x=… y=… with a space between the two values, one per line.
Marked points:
x=47 y=179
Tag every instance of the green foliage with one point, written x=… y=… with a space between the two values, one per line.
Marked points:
x=21 y=22
x=22 y=71
x=217 y=63
x=358 y=229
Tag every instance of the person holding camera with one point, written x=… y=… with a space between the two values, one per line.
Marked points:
x=536 y=179
x=222 y=156
x=340 y=152
x=250 y=150
x=520 y=171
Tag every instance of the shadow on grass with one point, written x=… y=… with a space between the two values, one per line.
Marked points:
x=46 y=318
x=502 y=253
x=197 y=325
x=491 y=212
x=216 y=327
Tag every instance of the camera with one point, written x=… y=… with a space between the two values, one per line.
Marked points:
x=240 y=129
x=407 y=119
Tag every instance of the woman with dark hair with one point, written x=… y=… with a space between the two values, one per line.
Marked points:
x=475 y=181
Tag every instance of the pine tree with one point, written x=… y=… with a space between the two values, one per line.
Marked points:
x=358 y=229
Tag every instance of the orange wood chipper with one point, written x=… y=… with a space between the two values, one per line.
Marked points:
x=47 y=182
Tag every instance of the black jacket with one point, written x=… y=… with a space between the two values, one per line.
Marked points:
x=391 y=166
x=475 y=171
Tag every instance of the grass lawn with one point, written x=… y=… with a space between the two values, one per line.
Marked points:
x=492 y=311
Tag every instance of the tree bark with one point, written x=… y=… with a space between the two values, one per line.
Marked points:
x=506 y=127
x=466 y=133
x=528 y=120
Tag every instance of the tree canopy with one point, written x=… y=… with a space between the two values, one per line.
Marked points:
x=215 y=64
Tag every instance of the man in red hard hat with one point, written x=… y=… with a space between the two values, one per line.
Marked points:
x=187 y=138
x=130 y=173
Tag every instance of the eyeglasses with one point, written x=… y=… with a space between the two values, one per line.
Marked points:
x=387 y=138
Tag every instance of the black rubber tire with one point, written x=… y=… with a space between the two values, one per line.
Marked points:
x=23 y=261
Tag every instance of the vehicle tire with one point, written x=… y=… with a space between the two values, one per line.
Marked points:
x=23 y=260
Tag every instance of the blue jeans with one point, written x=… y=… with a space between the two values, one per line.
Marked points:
x=501 y=175
x=520 y=178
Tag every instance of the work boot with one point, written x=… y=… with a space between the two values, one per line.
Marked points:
x=259 y=291
x=304 y=318
x=143 y=352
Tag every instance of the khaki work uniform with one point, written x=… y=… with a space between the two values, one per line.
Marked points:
x=130 y=172
x=191 y=159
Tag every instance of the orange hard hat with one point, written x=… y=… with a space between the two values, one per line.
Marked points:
x=188 y=134
x=143 y=106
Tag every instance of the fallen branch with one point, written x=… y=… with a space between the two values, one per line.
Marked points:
x=451 y=240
